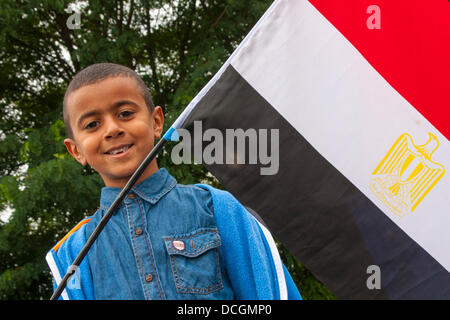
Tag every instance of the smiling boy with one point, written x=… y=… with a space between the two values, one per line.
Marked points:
x=166 y=240
x=112 y=127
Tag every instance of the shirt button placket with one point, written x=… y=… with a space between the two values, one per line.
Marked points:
x=141 y=244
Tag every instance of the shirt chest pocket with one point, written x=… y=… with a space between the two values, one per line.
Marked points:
x=195 y=262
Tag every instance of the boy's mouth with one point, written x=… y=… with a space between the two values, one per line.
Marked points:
x=119 y=149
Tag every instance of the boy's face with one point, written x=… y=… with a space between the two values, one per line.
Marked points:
x=112 y=129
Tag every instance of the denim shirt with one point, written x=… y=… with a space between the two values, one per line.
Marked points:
x=170 y=241
x=162 y=243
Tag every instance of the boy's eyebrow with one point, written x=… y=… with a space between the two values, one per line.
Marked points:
x=115 y=105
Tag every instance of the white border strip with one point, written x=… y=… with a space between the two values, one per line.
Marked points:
x=276 y=260
x=55 y=271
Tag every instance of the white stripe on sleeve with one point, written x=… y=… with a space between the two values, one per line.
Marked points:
x=276 y=260
x=56 y=275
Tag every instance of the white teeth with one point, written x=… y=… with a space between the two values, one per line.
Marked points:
x=123 y=149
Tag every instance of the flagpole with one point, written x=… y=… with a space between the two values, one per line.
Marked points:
x=170 y=135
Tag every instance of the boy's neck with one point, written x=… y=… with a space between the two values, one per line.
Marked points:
x=120 y=183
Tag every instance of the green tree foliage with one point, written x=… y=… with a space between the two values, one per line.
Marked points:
x=176 y=46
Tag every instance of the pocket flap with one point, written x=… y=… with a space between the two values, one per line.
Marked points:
x=193 y=244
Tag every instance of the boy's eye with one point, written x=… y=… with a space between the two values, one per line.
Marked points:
x=91 y=125
x=125 y=114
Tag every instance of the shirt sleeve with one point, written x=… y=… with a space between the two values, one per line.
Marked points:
x=250 y=255
x=61 y=257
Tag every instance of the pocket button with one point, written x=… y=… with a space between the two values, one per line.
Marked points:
x=178 y=244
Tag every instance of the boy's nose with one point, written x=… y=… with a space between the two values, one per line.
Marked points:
x=113 y=130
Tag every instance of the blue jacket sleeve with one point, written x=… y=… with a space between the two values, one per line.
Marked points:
x=251 y=258
x=61 y=257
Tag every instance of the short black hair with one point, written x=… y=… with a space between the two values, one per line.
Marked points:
x=96 y=73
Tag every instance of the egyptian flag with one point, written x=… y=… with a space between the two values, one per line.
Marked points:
x=354 y=97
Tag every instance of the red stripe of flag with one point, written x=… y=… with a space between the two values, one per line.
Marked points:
x=411 y=50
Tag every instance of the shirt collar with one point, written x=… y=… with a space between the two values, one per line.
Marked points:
x=151 y=189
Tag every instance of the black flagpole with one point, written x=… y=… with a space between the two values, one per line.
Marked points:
x=72 y=269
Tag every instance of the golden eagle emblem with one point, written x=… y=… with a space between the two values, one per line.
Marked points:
x=406 y=174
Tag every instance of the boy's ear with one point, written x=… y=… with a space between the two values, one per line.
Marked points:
x=158 y=121
x=73 y=149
